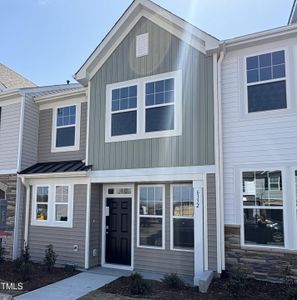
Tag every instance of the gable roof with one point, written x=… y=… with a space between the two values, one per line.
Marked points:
x=155 y=13
x=293 y=14
x=9 y=79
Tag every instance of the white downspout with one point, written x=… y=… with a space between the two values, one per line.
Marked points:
x=27 y=211
x=220 y=161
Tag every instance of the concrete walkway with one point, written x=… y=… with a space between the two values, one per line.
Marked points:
x=70 y=288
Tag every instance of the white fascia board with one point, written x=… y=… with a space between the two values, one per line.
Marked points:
x=82 y=92
x=262 y=36
x=151 y=174
x=54 y=175
x=144 y=8
x=8 y=172
x=10 y=98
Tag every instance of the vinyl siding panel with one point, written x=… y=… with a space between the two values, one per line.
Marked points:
x=211 y=222
x=166 y=53
x=9 y=136
x=63 y=239
x=45 y=137
x=162 y=261
x=96 y=224
x=30 y=133
x=258 y=139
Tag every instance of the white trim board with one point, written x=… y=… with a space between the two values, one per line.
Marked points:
x=165 y=19
x=151 y=174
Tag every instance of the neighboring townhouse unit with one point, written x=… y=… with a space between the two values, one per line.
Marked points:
x=151 y=145
x=259 y=110
x=18 y=151
x=55 y=204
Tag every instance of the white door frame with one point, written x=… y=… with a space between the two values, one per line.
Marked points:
x=103 y=232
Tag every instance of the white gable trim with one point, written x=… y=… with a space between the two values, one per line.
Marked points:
x=163 y=18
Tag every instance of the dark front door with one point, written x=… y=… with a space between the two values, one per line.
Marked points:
x=118 y=231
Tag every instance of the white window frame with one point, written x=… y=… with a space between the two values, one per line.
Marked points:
x=284 y=209
x=140 y=108
x=151 y=216
x=51 y=217
x=62 y=203
x=76 y=145
x=178 y=217
x=246 y=84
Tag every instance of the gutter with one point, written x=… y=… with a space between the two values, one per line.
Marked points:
x=54 y=175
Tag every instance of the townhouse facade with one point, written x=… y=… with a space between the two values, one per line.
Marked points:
x=175 y=154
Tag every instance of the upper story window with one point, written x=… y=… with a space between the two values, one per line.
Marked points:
x=124 y=111
x=266 y=81
x=144 y=108
x=66 y=128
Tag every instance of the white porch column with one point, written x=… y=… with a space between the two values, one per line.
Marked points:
x=27 y=213
x=198 y=230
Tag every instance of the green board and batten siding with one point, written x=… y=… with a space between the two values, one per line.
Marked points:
x=195 y=147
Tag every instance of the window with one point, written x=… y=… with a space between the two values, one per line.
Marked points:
x=159 y=102
x=182 y=217
x=266 y=81
x=144 y=108
x=151 y=214
x=61 y=205
x=124 y=111
x=66 y=128
x=42 y=203
x=263 y=208
x=52 y=205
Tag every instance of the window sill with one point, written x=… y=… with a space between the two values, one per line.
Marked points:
x=65 y=149
x=48 y=224
x=268 y=249
x=181 y=250
x=151 y=247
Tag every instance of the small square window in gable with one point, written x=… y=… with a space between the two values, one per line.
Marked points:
x=142 y=45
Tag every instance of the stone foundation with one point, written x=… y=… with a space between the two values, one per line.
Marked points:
x=262 y=264
x=9 y=182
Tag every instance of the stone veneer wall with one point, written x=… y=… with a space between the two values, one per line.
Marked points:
x=7 y=241
x=272 y=265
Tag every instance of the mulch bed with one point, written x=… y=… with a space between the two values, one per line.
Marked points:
x=217 y=291
x=40 y=277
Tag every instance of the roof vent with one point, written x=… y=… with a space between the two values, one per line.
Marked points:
x=142 y=45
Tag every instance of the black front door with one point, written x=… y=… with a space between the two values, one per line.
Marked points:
x=118 y=231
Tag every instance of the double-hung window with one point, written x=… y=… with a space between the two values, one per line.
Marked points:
x=266 y=81
x=124 y=111
x=182 y=217
x=61 y=203
x=52 y=205
x=42 y=197
x=151 y=216
x=66 y=128
x=263 y=208
x=146 y=107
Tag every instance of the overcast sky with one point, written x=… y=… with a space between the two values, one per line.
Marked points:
x=48 y=40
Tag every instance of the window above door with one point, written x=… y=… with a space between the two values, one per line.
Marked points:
x=148 y=107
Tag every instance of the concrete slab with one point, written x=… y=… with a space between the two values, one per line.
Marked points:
x=71 y=288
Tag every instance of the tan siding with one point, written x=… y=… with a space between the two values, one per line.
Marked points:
x=63 y=239
x=211 y=222
x=95 y=223
x=45 y=136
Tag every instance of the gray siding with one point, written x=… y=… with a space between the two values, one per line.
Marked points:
x=167 y=53
x=95 y=223
x=30 y=133
x=162 y=261
x=63 y=239
x=9 y=136
x=211 y=222
x=45 y=138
